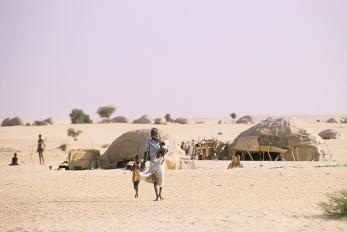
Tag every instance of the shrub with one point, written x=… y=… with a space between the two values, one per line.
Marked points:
x=233 y=115
x=106 y=111
x=336 y=205
x=63 y=147
x=73 y=133
x=77 y=116
x=168 y=117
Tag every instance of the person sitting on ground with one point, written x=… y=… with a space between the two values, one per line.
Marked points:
x=64 y=165
x=235 y=162
x=280 y=158
x=14 y=160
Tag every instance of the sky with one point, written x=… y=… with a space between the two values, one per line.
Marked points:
x=191 y=58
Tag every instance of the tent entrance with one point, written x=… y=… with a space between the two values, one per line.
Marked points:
x=122 y=164
x=258 y=156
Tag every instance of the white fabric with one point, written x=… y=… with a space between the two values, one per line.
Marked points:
x=156 y=170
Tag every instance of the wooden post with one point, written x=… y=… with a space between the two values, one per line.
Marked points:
x=250 y=155
x=293 y=155
x=268 y=151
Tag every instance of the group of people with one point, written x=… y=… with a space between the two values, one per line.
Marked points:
x=154 y=153
x=40 y=148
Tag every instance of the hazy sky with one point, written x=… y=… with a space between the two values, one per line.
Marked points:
x=190 y=58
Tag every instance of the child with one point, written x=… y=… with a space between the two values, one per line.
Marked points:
x=136 y=175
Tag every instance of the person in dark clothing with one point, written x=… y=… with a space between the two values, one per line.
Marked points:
x=136 y=175
x=40 y=148
x=14 y=160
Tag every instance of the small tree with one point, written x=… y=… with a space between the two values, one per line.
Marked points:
x=168 y=117
x=77 y=116
x=233 y=116
x=73 y=133
x=106 y=111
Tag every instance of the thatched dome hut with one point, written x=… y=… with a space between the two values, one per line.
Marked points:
x=126 y=146
x=332 y=120
x=285 y=136
x=181 y=120
x=160 y=121
x=120 y=119
x=143 y=120
x=329 y=134
x=16 y=121
x=247 y=119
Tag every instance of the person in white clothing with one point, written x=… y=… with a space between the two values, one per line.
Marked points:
x=155 y=151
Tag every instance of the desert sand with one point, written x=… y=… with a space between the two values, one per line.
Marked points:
x=261 y=196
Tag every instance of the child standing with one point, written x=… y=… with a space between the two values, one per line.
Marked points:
x=136 y=175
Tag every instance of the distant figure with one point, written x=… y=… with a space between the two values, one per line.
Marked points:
x=136 y=175
x=40 y=148
x=184 y=147
x=64 y=165
x=280 y=158
x=14 y=160
x=235 y=162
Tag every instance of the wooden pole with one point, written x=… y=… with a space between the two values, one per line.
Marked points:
x=250 y=155
x=268 y=151
x=293 y=155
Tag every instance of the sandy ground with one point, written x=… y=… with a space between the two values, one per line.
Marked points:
x=262 y=196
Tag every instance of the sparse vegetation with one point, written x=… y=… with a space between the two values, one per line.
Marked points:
x=73 y=133
x=168 y=117
x=77 y=116
x=336 y=205
x=106 y=111
x=233 y=116
x=63 y=147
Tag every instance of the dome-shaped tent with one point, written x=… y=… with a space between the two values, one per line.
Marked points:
x=280 y=136
x=329 y=134
x=332 y=120
x=143 y=120
x=120 y=119
x=131 y=143
x=247 y=119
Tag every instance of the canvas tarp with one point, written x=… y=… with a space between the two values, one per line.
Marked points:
x=82 y=159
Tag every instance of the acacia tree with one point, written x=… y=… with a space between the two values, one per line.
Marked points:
x=106 y=111
x=233 y=116
x=77 y=116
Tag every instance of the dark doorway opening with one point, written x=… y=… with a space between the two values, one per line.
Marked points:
x=258 y=156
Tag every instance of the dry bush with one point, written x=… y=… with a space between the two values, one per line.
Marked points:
x=73 y=133
x=336 y=205
x=63 y=147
